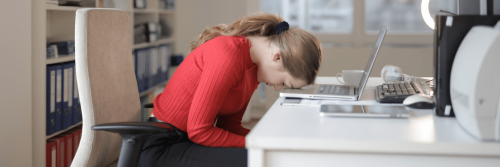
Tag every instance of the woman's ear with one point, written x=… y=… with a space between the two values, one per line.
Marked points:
x=277 y=56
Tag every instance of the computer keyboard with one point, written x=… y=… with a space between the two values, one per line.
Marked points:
x=333 y=89
x=397 y=92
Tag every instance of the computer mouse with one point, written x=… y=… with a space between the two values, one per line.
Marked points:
x=418 y=102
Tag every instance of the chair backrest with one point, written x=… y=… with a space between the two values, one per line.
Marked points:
x=106 y=81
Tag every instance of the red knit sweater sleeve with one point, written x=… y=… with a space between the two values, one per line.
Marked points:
x=221 y=71
x=232 y=123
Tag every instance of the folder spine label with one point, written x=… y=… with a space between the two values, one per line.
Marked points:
x=58 y=85
x=52 y=91
x=53 y=164
x=65 y=88
x=70 y=88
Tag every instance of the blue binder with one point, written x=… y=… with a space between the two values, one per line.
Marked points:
x=77 y=111
x=72 y=93
x=146 y=68
x=67 y=92
x=137 y=53
x=164 y=52
x=51 y=100
x=152 y=66
x=58 y=106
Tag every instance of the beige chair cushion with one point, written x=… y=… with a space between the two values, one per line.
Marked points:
x=106 y=82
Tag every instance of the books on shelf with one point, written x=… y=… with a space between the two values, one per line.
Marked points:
x=62 y=101
x=166 y=4
x=57 y=49
x=52 y=51
x=176 y=60
x=61 y=149
x=151 y=66
x=51 y=153
x=147 y=32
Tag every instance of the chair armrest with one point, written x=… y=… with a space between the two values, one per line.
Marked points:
x=133 y=127
x=149 y=105
x=134 y=135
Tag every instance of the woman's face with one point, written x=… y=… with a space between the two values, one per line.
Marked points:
x=274 y=75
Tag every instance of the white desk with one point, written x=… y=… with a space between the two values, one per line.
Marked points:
x=298 y=136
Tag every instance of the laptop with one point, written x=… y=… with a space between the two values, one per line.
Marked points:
x=338 y=92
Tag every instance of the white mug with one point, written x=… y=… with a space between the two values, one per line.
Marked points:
x=351 y=77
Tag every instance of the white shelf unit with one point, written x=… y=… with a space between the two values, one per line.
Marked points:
x=58 y=24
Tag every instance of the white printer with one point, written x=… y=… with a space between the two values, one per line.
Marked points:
x=475 y=83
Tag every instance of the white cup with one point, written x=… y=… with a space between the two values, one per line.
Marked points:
x=350 y=77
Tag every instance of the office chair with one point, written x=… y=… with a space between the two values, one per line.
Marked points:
x=108 y=91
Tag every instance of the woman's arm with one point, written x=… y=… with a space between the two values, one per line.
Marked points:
x=232 y=123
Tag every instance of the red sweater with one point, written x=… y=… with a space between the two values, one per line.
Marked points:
x=215 y=81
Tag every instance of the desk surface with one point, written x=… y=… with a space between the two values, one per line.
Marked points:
x=302 y=128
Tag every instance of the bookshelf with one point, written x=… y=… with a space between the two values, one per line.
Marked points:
x=53 y=23
x=60 y=59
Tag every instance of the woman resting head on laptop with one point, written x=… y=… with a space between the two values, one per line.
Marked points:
x=209 y=92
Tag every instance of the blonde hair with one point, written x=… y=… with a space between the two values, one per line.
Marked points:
x=300 y=51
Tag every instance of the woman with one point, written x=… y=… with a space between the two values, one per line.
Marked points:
x=207 y=96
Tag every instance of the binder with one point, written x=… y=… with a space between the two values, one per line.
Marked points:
x=67 y=92
x=153 y=66
x=77 y=109
x=79 y=138
x=51 y=100
x=71 y=92
x=137 y=62
x=76 y=140
x=60 y=142
x=73 y=96
x=164 y=52
x=51 y=154
x=68 y=152
x=145 y=68
x=161 y=59
x=59 y=87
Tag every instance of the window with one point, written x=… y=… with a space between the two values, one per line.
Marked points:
x=402 y=16
x=316 y=16
x=357 y=22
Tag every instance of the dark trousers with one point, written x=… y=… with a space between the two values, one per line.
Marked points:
x=174 y=149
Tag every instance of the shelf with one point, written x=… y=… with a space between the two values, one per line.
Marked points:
x=167 y=11
x=60 y=59
x=152 y=89
x=145 y=11
x=160 y=41
x=62 y=8
x=62 y=131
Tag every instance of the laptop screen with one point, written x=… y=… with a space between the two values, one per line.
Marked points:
x=371 y=61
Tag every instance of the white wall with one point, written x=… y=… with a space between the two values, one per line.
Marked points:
x=15 y=84
x=193 y=16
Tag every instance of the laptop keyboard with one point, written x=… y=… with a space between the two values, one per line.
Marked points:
x=333 y=90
